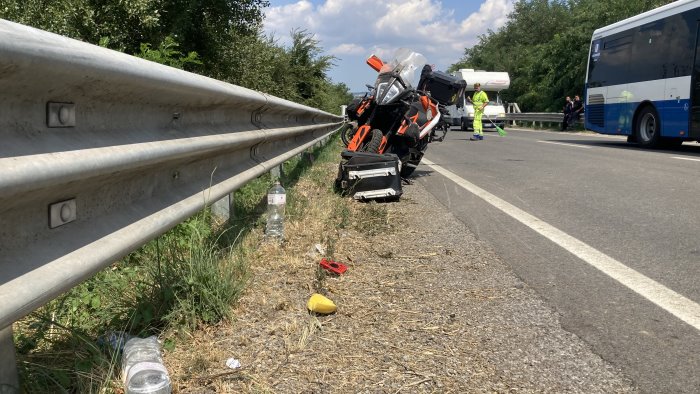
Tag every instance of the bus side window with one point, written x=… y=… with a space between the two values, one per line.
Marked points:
x=650 y=52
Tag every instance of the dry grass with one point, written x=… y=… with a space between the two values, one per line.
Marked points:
x=385 y=337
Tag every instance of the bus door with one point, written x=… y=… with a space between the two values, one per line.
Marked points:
x=694 y=131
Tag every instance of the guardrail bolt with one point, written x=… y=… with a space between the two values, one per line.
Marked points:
x=62 y=212
x=60 y=115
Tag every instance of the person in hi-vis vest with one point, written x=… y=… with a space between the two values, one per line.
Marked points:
x=479 y=100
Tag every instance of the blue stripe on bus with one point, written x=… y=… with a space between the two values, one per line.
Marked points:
x=618 y=117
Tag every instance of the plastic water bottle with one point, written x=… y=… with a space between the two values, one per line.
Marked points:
x=142 y=367
x=276 y=200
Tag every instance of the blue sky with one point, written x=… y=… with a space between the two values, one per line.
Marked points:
x=351 y=30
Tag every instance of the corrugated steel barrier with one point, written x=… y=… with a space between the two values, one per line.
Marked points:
x=101 y=152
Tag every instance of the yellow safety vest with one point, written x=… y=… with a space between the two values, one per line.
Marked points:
x=479 y=99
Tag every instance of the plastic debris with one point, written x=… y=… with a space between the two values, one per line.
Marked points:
x=333 y=266
x=320 y=304
x=233 y=363
x=320 y=249
x=115 y=340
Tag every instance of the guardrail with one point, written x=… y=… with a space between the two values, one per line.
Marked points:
x=535 y=118
x=548 y=117
x=102 y=152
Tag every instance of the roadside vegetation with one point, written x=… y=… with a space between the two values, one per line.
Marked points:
x=544 y=47
x=187 y=280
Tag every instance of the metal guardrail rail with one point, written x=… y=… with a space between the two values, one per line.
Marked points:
x=545 y=117
x=101 y=152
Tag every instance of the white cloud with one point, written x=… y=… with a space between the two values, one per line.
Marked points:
x=282 y=20
x=403 y=19
x=351 y=30
x=348 y=49
x=492 y=15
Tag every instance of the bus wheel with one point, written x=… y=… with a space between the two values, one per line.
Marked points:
x=648 y=128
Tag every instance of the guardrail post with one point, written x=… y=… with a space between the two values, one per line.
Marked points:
x=222 y=209
x=9 y=379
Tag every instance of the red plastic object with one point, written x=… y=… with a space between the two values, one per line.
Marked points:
x=332 y=266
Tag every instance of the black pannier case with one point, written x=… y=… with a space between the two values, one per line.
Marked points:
x=368 y=176
x=444 y=88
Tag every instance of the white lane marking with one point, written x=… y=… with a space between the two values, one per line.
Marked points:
x=565 y=144
x=667 y=299
x=684 y=158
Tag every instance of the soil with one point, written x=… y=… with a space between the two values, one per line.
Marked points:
x=423 y=307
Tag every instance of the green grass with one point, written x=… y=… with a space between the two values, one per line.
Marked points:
x=190 y=276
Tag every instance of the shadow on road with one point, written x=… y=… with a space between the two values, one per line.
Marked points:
x=689 y=148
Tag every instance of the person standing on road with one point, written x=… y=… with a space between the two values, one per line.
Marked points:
x=479 y=100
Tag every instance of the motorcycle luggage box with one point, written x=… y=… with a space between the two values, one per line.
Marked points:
x=369 y=176
x=445 y=88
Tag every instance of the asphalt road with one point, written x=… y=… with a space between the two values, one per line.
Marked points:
x=605 y=232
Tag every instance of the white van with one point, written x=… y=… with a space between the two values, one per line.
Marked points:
x=492 y=82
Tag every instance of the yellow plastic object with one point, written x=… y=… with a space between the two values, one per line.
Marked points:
x=320 y=304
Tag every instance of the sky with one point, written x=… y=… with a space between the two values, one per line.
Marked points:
x=352 y=30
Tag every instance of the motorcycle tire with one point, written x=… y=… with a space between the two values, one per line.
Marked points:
x=347 y=133
x=375 y=142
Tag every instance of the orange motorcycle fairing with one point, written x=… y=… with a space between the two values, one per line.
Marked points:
x=382 y=145
x=364 y=106
x=358 y=138
x=425 y=101
x=404 y=124
x=375 y=62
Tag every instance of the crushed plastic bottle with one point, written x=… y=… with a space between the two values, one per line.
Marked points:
x=143 y=371
x=276 y=200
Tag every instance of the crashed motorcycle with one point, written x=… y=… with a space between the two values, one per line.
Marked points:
x=396 y=117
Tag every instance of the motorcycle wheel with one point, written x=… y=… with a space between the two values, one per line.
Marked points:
x=374 y=142
x=347 y=133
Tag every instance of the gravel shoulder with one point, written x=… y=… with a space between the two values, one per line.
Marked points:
x=424 y=307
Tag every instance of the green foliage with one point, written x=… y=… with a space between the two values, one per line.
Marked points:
x=198 y=282
x=168 y=54
x=201 y=26
x=544 y=47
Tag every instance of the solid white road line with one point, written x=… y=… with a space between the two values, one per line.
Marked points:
x=684 y=158
x=565 y=144
x=667 y=299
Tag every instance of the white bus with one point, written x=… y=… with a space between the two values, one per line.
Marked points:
x=643 y=77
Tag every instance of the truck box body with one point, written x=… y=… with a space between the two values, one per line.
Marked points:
x=492 y=82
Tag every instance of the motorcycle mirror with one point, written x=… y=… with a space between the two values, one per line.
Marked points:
x=375 y=62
